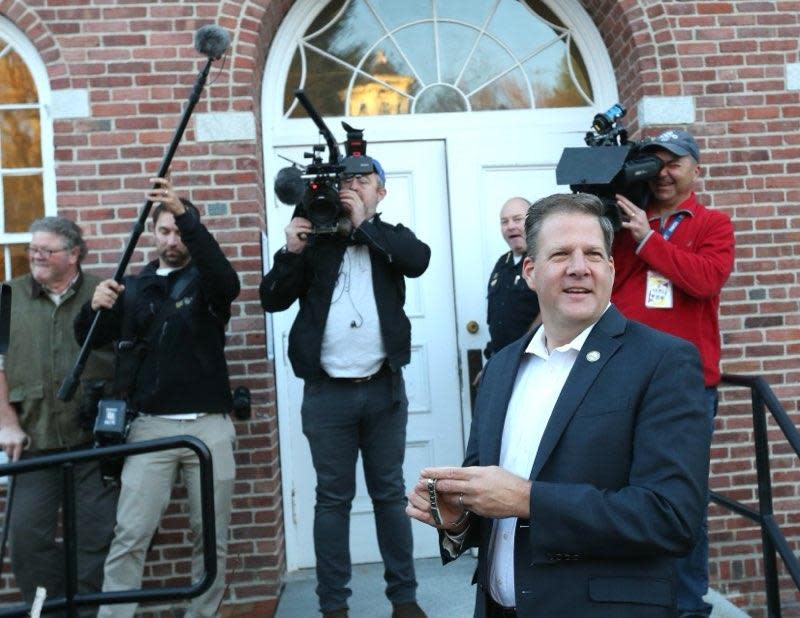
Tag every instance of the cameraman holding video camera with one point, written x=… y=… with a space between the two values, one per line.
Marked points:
x=349 y=343
x=670 y=268
x=34 y=422
x=169 y=322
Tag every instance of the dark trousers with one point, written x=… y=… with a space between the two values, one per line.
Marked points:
x=340 y=419
x=36 y=558
x=692 y=569
x=495 y=610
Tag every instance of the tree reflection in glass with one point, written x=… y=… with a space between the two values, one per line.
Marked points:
x=383 y=57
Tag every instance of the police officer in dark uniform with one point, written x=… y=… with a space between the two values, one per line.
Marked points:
x=513 y=308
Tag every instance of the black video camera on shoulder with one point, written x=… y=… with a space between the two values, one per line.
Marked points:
x=609 y=164
x=314 y=189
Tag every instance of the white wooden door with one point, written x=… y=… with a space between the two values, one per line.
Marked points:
x=417 y=197
x=486 y=172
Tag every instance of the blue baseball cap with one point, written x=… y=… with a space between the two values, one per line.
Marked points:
x=676 y=141
x=376 y=165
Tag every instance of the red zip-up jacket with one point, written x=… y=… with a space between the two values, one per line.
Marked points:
x=698 y=259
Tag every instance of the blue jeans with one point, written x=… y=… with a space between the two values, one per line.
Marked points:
x=692 y=569
x=341 y=418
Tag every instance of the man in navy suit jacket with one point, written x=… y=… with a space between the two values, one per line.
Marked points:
x=587 y=463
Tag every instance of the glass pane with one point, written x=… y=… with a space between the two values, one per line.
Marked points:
x=17 y=81
x=581 y=74
x=439 y=99
x=395 y=14
x=455 y=43
x=519 y=29
x=292 y=81
x=369 y=98
x=488 y=61
x=471 y=11
x=418 y=45
x=325 y=16
x=352 y=35
x=550 y=79
x=20 y=142
x=508 y=92
x=24 y=201
x=19 y=261
x=326 y=86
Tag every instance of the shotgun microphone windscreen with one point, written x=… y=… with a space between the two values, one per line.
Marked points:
x=212 y=41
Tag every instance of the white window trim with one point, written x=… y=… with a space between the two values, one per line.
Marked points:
x=30 y=55
x=586 y=38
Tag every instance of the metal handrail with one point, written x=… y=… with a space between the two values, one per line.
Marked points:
x=72 y=599
x=772 y=539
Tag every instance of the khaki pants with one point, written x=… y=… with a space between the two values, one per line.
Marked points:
x=147 y=482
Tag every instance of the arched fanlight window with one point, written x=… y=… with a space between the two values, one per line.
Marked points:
x=22 y=161
x=384 y=57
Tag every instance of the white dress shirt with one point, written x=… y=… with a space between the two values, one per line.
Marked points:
x=540 y=378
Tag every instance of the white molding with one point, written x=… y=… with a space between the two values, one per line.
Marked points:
x=30 y=55
x=70 y=103
x=225 y=127
x=666 y=111
x=793 y=76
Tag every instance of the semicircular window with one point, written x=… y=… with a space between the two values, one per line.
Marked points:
x=22 y=162
x=385 y=57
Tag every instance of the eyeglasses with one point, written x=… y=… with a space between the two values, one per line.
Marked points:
x=48 y=253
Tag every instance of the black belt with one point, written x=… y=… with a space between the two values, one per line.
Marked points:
x=383 y=370
x=495 y=610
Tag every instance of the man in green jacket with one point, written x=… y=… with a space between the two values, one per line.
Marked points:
x=33 y=421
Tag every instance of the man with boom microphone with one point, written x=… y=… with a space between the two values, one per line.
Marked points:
x=170 y=322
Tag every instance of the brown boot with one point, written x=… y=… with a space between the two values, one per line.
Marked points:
x=408 y=610
x=335 y=613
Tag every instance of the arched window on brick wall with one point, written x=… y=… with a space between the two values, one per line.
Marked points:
x=26 y=152
x=383 y=57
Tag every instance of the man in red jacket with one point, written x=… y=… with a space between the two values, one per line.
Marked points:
x=670 y=267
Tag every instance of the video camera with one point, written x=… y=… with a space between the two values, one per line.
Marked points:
x=609 y=165
x=314 y=189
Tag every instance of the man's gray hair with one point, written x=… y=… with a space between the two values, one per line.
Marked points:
x=66 y=229
x=566 y=203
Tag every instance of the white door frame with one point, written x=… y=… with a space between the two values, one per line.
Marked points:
x=459 y=131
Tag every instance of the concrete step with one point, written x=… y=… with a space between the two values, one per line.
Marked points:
x=443 y=592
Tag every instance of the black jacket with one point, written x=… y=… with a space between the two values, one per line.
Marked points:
x=184 y=368
x=511 y=305
x=311 y=276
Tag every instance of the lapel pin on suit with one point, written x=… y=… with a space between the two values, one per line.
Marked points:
x=593 y=356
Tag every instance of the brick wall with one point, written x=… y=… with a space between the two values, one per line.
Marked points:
x=137 y=62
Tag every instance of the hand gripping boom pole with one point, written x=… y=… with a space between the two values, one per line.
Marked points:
x=212 y=41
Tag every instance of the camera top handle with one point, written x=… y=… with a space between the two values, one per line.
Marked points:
x=333 y=148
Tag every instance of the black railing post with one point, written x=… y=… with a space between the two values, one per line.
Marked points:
x=761 y=441
x=73 y=600
x=70 y=543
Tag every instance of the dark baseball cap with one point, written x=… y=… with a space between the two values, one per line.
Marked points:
x=676 y=141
